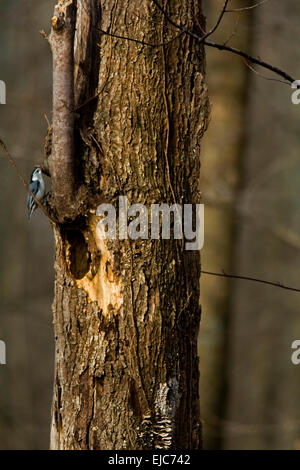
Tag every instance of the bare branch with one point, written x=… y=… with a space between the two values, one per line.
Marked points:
x=253 y=279
x=253 y=60
x=214 y=28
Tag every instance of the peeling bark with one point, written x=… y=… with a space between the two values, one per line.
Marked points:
x=126 y=313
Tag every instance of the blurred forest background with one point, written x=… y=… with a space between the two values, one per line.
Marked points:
x=250 y=390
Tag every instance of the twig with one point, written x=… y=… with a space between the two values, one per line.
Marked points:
x=44 y=34
x=87 y=102
x=143 y=18
x=181 y=28
x=13 y=164
x=249 y=278
x=234 y=10
x=195 y=17
x=234 y=32
x=144 y=43
x=261 y=75
x=167 y=111
x=214 y=28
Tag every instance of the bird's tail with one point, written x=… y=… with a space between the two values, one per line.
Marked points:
x=31 y=209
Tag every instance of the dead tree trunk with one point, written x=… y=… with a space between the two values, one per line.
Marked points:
x=126 y=312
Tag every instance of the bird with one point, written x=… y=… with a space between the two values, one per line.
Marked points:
x=37 y=187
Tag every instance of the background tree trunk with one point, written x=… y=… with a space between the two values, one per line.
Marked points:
x=126 y=313
x=222 y=151
x=264 y=322
x=25 y=297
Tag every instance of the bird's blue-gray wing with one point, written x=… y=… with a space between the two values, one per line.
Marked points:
x=34 y=187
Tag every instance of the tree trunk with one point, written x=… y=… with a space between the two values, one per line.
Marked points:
x=126 y=312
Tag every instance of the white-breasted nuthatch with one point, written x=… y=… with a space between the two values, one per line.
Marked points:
x=37 y=187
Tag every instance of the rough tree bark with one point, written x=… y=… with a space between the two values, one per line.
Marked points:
x=126 y=313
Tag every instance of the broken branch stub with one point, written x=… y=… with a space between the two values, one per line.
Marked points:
x=62 y=160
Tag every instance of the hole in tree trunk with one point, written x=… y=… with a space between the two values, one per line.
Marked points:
x=79 y=255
